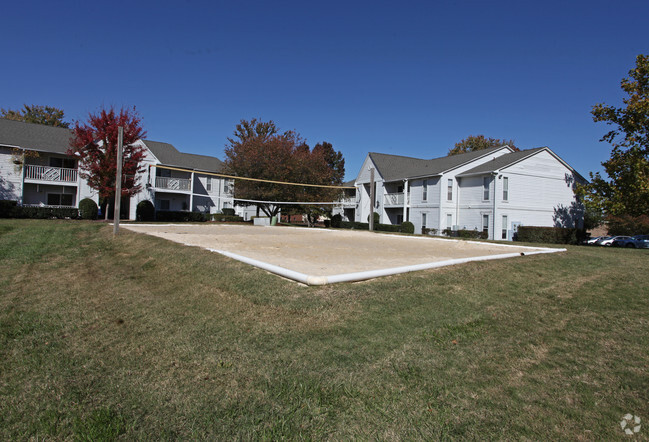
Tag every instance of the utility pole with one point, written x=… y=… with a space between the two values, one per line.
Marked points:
x=371 y=199
x=118 y=181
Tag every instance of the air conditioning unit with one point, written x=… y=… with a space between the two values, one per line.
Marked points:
x=456 y=227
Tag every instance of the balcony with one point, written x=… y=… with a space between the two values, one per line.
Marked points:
x=177 y=184
x=50 y=174
x=347 y=202
x=394 y=199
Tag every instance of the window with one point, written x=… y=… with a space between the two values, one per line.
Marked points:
x=424 y=196
x=505 y=188
x=485 y=187
x=423 y=220
x=485 y=224
x=449 y=192
x=449 y=221
x=57 y=199
x=504 y=227
x=209 y=184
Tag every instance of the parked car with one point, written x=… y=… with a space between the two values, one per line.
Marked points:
x=608 y=240
x=637 y=242
x=593 y=240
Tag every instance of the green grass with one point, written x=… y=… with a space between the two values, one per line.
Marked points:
x=141 y=338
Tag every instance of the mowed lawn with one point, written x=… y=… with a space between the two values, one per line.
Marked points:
x=141 y=338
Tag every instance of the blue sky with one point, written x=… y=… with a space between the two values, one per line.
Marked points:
x=405 y=78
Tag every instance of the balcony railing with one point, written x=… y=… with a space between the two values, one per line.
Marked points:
x=347 y=201
x=46 y=173
x=168 y=183
x=394 y=199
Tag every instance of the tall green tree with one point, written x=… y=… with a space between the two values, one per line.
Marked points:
x=479 y=142
x=47 y=115
x=625 y=190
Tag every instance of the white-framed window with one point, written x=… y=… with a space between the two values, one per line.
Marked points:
x=485 y=224
x=209 y=184
x=60 y=199
x=449 y=191
x=505 y=188
x=423 y=220
x=485 y=188
x=504 y=227
x=449 y=220
x=424 y=195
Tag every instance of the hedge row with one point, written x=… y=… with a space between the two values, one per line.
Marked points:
x=406 y=227
x=11 y=209
x=177 y=216
x=466 y=233
x=226 y=218
x=550 y=235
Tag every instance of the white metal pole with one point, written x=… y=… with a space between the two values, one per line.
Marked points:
x=371 y=220
x=118 y=180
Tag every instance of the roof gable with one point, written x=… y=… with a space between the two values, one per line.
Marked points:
x=395 y=167
x=168 y=155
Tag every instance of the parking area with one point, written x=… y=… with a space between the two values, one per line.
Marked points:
x=322 y=256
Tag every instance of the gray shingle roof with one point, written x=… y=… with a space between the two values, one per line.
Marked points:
x=502 y=161
x=170 y=156
x=32 y=136
x=395 y=167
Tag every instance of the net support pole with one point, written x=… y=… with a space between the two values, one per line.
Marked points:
x=371 y=220
x=118 y=181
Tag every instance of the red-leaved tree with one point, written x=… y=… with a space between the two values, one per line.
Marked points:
x=95 y=145
x=258 y=151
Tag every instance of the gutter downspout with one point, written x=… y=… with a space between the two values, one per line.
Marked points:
x=493 y=232
x=405 y=200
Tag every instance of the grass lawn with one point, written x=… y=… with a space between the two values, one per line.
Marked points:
x=142 y=338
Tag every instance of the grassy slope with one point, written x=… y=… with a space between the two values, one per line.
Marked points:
x=142 y=338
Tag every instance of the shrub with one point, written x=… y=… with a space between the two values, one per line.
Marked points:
x=428 y=231
x=228 y=211
x=550 y=235
x=407 y=227
x=8 y=208
x=46 y=212
x=145 y=211
x=376 y=218
x=354 y=225
x=628 y=225
x=88 y=209
x=336 y=220
x=179 y=216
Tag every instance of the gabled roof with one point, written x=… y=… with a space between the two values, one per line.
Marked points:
x=510 y=159
x=39 y=137
x=395 y=167
x=503 y=161
x=168 y=155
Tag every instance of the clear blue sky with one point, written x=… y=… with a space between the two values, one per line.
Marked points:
x=406 y=78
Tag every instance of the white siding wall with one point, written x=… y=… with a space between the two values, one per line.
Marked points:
x=10 y=179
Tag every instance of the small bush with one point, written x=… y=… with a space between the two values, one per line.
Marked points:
x=376 y=218
x=88 y=209
x=228 y=211
x=178 y=216
x=550 y=235
x=354 y=225
x=336 y=220
x=407 y=227
x=428 y=231
x=46 y=212
x=145 y=211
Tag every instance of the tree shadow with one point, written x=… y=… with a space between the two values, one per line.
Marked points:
x=569 y=216
x=7 y=190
